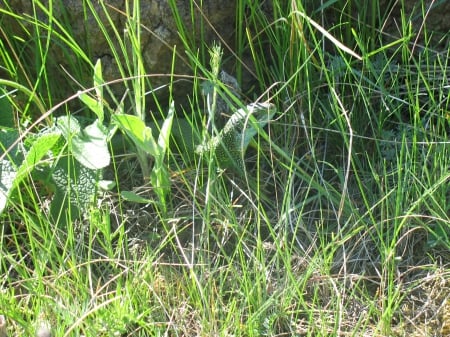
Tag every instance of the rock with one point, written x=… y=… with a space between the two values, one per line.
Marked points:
x=214 y=21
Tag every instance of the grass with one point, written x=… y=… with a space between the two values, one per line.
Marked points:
x=346 y=233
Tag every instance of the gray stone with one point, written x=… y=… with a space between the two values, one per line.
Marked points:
x=212 y=21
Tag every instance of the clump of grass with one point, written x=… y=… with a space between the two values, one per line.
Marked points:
x=354 y=241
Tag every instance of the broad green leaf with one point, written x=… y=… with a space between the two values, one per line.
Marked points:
x=98 y=80
x=89 y=146
x=41 y=146
x=139 y=133
x=7 y=175
x=106 y=185
x=166 y=129
x=8 y=165
x=95 y=105
x=68 y=125
x=75 y=189
x=16 y=166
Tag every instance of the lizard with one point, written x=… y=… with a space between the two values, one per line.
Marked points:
x=230 y=144
x=227 y=143
x=236 y=127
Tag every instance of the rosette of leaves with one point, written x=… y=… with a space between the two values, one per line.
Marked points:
x=70 y=166
x=65 y=158
x=78 y=169
x=19 y=159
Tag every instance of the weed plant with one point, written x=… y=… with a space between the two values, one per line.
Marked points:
x=346 y=232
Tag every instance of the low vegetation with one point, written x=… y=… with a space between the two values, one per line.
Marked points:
x=327 y=215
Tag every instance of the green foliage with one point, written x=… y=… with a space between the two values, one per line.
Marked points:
x=75 y=188
x=73 y=174
x=230 y=144
x=41 y=156
x=89 y=146
x=355 y=165
x=6 y=110
x=78 y=169
x=19 y=161
x=8 y=164
x=143 y=139
x=96 y=105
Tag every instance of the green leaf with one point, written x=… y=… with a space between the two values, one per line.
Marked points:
x=439 y=236
x=89 y=146
x=139 y=133
x=15 y=167
x=68 y=125
x=7 y=175
x=159 y=178
x=95 y=105
x=98 y=82
x=8 y=165
x=166 y=129
x=41 y=146
x=75 y=189
x=133 y=197
x=106 y=185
